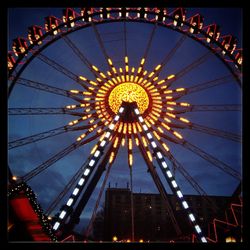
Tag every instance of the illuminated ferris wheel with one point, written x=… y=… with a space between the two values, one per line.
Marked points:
x=72 y=92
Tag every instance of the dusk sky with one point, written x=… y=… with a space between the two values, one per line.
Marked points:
x=49 y=183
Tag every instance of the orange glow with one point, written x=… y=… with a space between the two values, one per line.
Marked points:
x=144 y=141
x=116 y=142
x=130 y=160
x=156 y=135
x=171 y=115
x=128 y=92
x=123 y=142
x=184 y=104
x=93 y=149
x=165 y=126
x=130 y=145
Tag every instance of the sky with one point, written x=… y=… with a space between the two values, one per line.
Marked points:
x=49 y=183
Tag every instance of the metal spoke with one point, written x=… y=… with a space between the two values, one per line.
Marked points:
x=219 y=107
x=38 y=137
x=37 y=111
x=45 y=87
x=79 y=54
x=216 y=132
x=219 y=164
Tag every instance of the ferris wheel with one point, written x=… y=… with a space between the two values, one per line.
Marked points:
x=101 y=87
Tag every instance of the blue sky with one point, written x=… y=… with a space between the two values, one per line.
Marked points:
x=48 y=184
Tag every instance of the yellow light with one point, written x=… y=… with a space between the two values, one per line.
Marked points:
x=139 y=127
x=82 y=78
x=126 y=68
x=142 y=61
x=14 y=178
x=109 y=73
x=115 y=238
x=95 y=68
x=144 y=141
x=141 y=240
x=230 y=239
x=130 y=160
x=131 y=78
x=165 y=146
x=149 y=156
x=177 y=135
x=137 y=141
x=128 y=92
x=116 y=142
x=167 y=120
x=158 y=67
x=169 y=97
x=156 y=78
x=136 y=78
x=144 y=81
x=75 y=121
x=130 y=145
x=184 y=120
x=91 y=88
x=91 y=121
x=133 y=70
x=120 y=127
x=161 y=82
x=180 y=89
x=125 y=128
x=111 y=158
x=114 y=69
x=74 y=91
x=168 y=91
x=93 y=149
x=120 y=69
x=151 y=74
x=171 y=103
x=170 y=77
x=160 y=129
x=87 y=99
x=86 y=93
x=171 y=115
x=165 y=126
x=184 y=104
x=123 y=78
x=110 y=62
x=126 y=59
x=156 y=135
x=119 y=79
x=102 y=75
x=123 y=142
x=98 y=79
x=139 y=70
x=127 y=78
x=114 y=80
x=93 y=83
x=145 y=72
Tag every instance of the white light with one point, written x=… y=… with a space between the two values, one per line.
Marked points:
x=121 y=109
x=117 y=117
x=169 y=174
x=86 y=172
x=97 y=153
x=203 y=239
x=198 y=229
x=137 y=111
x=61 y=216
x=179 y=193
x=164 y=164
x=149 y=136
x=140 y=119
x=191 y=216
x=107 y=135
x=159 y=155
x=145 y=127
x=92 y=162
x=81 y=181
x=174 y=184
x=76 y=190
x=70 y=201
x=112 y=126
x=185 y=205
x=153 y=144
x=103 y=143
x=57 y=224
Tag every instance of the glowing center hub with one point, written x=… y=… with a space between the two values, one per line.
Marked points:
x=128 y=92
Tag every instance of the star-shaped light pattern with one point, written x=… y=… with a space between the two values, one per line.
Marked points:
x=153 y=96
